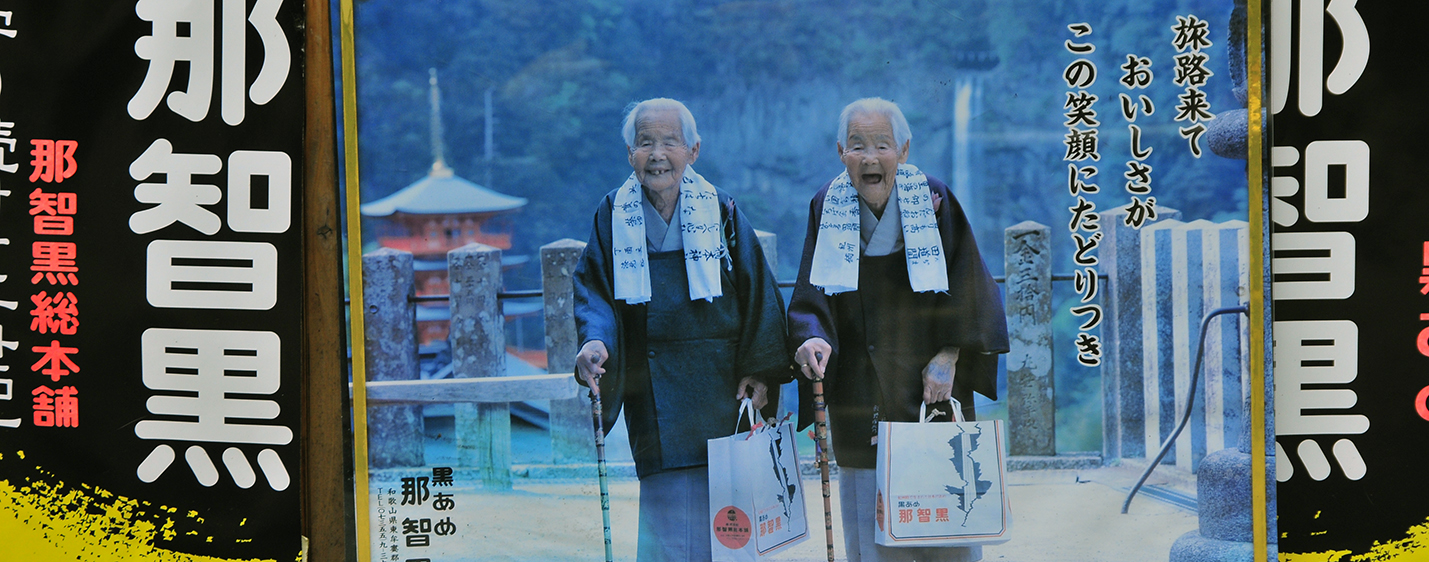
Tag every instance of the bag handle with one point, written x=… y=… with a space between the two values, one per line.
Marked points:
x=745 y=406
x=957 y=411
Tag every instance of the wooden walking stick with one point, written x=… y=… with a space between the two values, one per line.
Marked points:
x=821 y=442
x=600 y=465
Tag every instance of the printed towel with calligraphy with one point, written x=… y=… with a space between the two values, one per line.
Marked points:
x=756 y=497
x=836 y=252
x=700 y=234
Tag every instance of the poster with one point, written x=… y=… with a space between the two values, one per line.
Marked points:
x=152 y=274
x=1349 y=280
x=1099 y=150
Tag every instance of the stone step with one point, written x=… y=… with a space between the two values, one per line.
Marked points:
x=1192 y=547
x=1073 y=461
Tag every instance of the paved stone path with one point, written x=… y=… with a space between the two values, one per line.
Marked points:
x=1058 y=516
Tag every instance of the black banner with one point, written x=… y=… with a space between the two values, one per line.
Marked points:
x=1351 y=276
x=151 y=167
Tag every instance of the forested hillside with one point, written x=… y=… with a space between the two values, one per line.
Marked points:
x=766 y=81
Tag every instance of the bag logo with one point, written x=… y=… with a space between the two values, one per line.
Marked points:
x=731 y=527
x=965 y=448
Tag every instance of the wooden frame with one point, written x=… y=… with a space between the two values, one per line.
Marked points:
x=325 y=506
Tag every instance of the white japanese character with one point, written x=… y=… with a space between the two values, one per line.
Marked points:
x=15 y=422
x=7 y=32
x=276 y=57
x=1282 y=212
x=212 y=274
x=1317 y=352
x=165 y=47
x=1353 y=156
x=1320 y=156
x=4 y=345
x=278 y=168
x=1354 y=54
x=212 y=364
x=9 y=143
x=178 y=198
x=183 y=31
x=1330 y=274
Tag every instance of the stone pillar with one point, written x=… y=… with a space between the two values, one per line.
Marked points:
x=769 y=243
x=1031 y=397
x=572 y=437
x=478 y=344
x=1189 y=287
x=394 y=433
x=1123 y=406
x=1158 y=309
x=1227 y=369
x=788 y=392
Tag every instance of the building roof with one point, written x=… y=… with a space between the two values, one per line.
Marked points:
x=440 y=193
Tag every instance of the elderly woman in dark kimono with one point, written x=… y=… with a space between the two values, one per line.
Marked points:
x=678 y=317
x=894 y=306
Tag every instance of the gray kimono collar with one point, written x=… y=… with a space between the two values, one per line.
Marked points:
x=880 y=237
x=662 y=237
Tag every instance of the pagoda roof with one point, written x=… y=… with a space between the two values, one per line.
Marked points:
x=442 y=193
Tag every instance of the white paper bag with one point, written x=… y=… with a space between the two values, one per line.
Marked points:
x=756 y=497
x=942 y=484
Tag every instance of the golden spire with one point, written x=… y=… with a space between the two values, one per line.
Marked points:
x=439 y=164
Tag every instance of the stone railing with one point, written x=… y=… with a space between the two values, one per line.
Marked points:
x=1160 y=281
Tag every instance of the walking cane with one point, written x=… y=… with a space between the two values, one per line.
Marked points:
x=600 y=465
x=821 y=433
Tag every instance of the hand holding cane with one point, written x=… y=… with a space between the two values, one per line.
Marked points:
x=600 y=463
x=821 y=433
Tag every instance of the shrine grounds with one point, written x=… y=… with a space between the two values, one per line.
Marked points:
x=1078 y=511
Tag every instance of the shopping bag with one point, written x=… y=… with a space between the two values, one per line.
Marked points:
x=756 y=497
x=941 y=484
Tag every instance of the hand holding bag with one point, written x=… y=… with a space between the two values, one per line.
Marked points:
x=756 y=496
x=942 y=484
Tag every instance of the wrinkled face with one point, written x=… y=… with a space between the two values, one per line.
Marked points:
x=660 y=156
x=871 y=155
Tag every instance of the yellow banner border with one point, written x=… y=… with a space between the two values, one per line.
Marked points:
x=356 y=332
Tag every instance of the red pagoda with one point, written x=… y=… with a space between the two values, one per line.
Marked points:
x=438 y=213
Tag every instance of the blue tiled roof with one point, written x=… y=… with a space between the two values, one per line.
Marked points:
x=442 y=192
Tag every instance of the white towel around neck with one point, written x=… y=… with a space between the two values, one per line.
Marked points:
x=700 y=233
x=836 y=251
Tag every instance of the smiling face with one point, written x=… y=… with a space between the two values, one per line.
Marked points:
x=659 y=155
x=872 y=156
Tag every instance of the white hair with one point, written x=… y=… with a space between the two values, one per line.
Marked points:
x=687 y=119
x=878 y=106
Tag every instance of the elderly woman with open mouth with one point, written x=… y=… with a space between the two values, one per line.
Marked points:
x=893 y=307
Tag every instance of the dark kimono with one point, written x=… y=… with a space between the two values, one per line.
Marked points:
x=884 y=334
x=675 y=364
